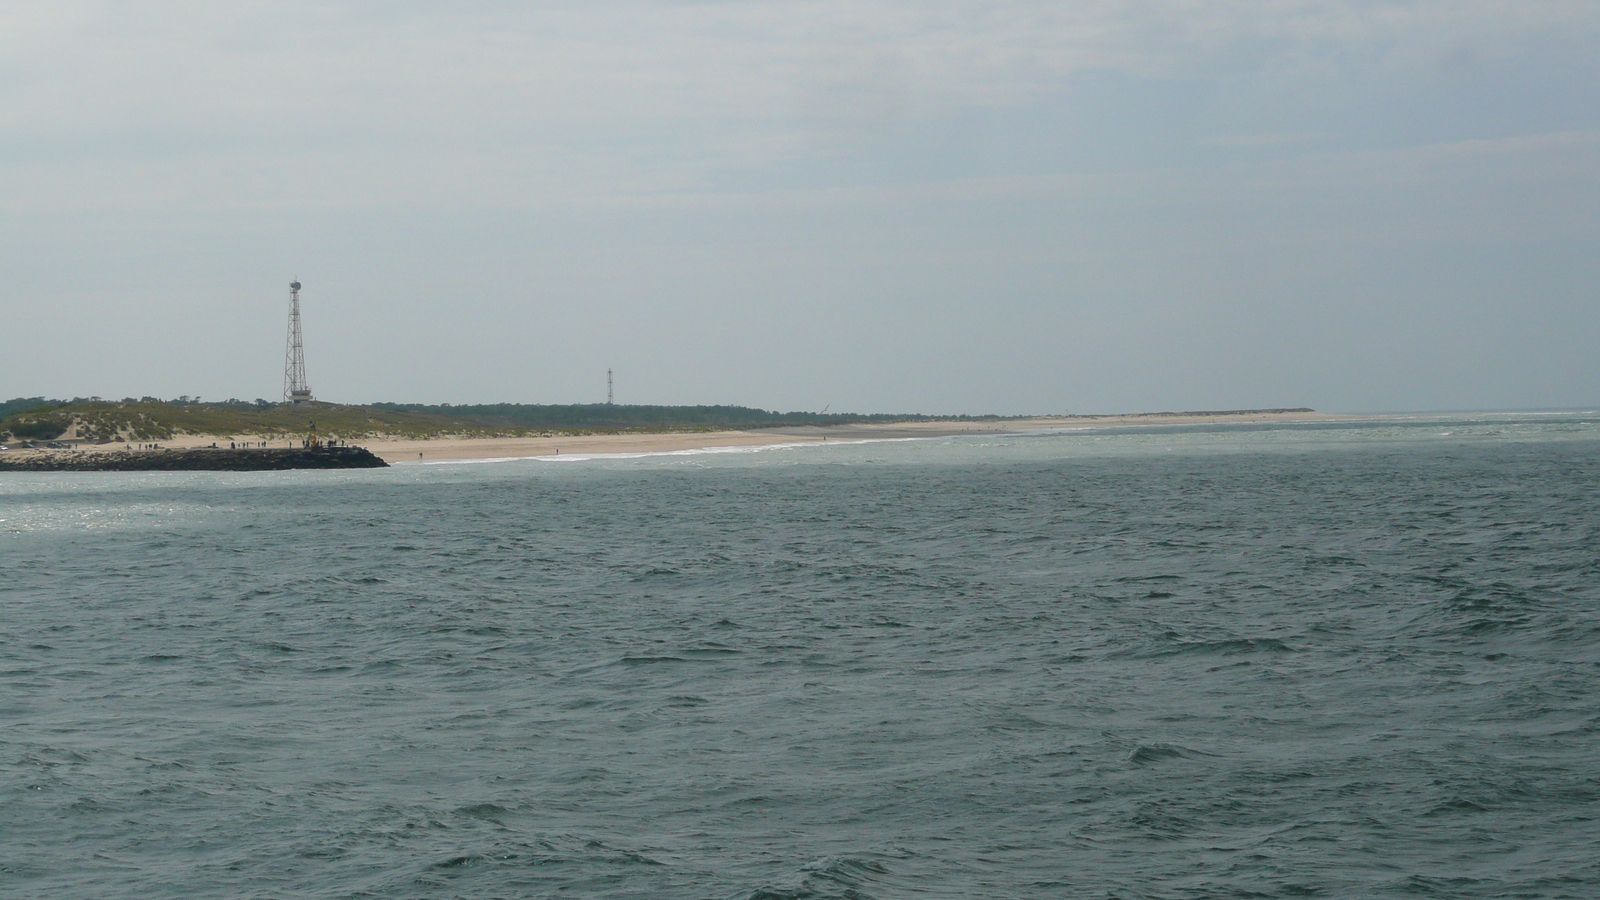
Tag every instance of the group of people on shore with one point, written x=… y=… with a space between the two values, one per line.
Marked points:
x=251 y=445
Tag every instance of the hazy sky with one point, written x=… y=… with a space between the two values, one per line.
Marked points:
x=1026 y=206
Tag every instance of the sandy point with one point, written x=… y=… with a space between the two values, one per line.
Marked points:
x=404 y=450
x=398 y=450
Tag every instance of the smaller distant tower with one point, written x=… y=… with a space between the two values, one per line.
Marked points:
x=608 y=387
x=295 y=389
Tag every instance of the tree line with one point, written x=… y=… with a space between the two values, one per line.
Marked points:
x=605 y=416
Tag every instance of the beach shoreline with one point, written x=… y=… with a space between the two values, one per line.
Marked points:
x=446 y=448
x=442 y=448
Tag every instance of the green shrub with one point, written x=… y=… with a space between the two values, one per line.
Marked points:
x=36 y=429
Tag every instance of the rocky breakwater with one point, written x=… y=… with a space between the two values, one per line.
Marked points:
x=205 y=459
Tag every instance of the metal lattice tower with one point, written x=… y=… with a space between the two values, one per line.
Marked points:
x=608 y=387
x=295 y=389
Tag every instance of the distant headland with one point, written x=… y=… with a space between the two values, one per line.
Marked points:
x=132 y=433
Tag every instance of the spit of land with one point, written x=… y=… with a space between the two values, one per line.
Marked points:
x=413 y=449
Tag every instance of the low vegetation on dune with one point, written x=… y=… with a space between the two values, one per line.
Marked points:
x=150 y=419
x=604 y=417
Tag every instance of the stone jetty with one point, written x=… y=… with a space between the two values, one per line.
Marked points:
x=202 y=459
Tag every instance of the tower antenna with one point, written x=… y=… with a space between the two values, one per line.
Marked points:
x=295 y=389
x=608 y=387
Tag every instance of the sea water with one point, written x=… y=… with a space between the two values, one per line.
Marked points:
x=1349 y=659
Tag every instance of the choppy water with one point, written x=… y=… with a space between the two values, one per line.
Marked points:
x=1337 y=661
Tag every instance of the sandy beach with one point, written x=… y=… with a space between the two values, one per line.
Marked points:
x=449 y=447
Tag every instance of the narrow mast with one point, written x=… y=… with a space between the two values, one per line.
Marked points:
x=295 y=389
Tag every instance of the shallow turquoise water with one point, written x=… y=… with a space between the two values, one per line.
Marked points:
x=1355 y=659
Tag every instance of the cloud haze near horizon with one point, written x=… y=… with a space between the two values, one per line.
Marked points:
x=1013 y=207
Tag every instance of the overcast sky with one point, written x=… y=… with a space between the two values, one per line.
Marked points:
x=1033 y=206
